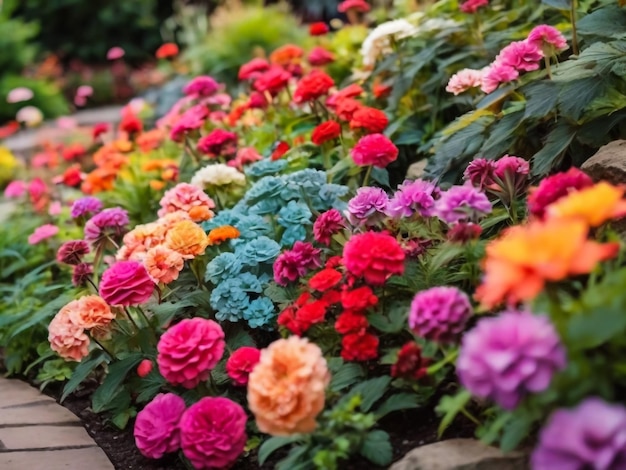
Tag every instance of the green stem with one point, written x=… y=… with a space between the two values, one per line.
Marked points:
x=103 y=347
x=130 y=317
x=547 y=62
x=573 y=5
x=470 y=416
x=450 y=357
x=367 y=175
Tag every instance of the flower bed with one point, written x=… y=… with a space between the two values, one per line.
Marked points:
x=254 y=276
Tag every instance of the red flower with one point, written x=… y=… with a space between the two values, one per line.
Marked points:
x=373 y=256
x=320 y=56
x=318 y=29
x=253 y=69
x=287 y=318
x=359 y=5
x=371 y=120
x=313 y=86
x=280 y=149
x=73 y=151
x=331 y=297
x=334 y=261
x=169 y=49
x=463 y=232
x=257 y=101
x=346 y=107
x=359 y=347
x=410 y=363
x=272 y=81
x=240 y=364
x=380 y=91
x=144 y=368
x=361 y=298
x=218 y=143
x=555 y=187
x=71 y=177
x=374 y=149
x=325 y=279
x=351 y=322
x=351 y=91
x=130 y=123
x=9 y=129
x=99 y=129
x=325 y=132
x=312 y=313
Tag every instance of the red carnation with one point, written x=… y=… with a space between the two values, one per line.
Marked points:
x=346 y=108
x=71 y=177
x=410 y=363
x=169 y=49
x=320 y=56
x=325 y=132
x=218 y=143
x=312 y=313
x=554 y=187
x=73 y=151
x=240 y=364
x=325 y=279
x=358 y=5
x=253 y=69
x=331 y=297
x=374 y=256
x=99 y=129
x=374 y=149
x=318 y=29
x=361 y=298
x=334 y=261
x=313 y=86
x=371 y=120
x=130 y=123
x=351 y=322
x=359 y=347
x=287 y=318
x=272 y=81
x=351 y=91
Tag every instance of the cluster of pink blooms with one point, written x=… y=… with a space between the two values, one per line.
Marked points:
x=188 y=198
x=519 y=56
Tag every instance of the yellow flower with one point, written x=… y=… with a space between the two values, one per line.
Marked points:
x=187 y=238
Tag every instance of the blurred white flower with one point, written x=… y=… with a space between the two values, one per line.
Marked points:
x=379 y=40
x=17 y=95
x=29 y=115
x=218 y=175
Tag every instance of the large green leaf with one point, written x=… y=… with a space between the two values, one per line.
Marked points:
x=557 y=142
x=576 y=96
x=377 y=448
x=348 y=374
x=82 y=372
x=117 y=373
x=397 y=402
x=370 y=391
x=607 y=22
x=273 y=444
x=541 y=98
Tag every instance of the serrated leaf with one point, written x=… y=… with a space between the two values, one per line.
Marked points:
x=557 y=142
x=606 y=22
x=81 y=372
x=397 y=402
x=348 y=374
x=272 y=444
x=370 y=391
x=117 y=373
x=541 y=98
x=377 y=448
x=577 y=95
x=450 y=407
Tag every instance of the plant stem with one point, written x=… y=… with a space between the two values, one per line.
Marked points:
x=547 y=62
x=103 y=347
x=130 y=317
x=573 y=5
x=470 y=416
x=367 y=175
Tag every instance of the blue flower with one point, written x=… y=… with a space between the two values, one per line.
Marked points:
x=224 y=217
x=260 y=250
x=229 y=300
x=261 y=312
x=294 y=214
x=222 y=267
x=329 y=196
x=248 y=282
x=266 y=206
x=266 y=167
x=302 y=184
x=267 y=187
x=292 y=235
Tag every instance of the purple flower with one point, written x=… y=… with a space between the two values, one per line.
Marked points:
x=326 y=225
x=590 y=436
x=108 y=223
x=411 y=197
x=367 y=207
x=86 y=207
x=201 y=86
x=156 y=428
x=439 y=313
x=293 y=264
x=505 y=357
x=462 y=204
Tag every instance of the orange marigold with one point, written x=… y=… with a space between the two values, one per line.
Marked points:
x=223 y=233
x=525 y=257
x=100 y=179
x=286 y=388
x=163 y=264
x=287 y=54
x=187 y=238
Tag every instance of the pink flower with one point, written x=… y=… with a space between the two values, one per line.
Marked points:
x=190 y=120
x=218 y=143
x=497 y=73
x=17 y=95
x=253 y=69
x=374 y=149
x=156 y=428
x=201 y=86
x=374 y=256
x=326 y=225
x=213 y=433
x=15 y=189
x=126 y=283
x=359 y=5
x=320 y=56
x=292 y=264
x=66 y=338
x=115 y=53
x=72 y=252
x=472 y=6
x=244 y=156
x=189 y=351
x=55 y=208
x=240 y=364
x=463 y=80
x=547 y=37
x=43 y=232
x=144 y=368
x=521 y=55
x=187 y=198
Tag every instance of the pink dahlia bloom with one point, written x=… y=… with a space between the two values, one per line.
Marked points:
x=184 y=197
x=463 y=80
x=126 y=283
x=496 y=74
x=521 y=55
x=374 y=256
x=359 y=5
x=218 y=143
x=156 y=428
x=554 y=187
x=190 y=120
x=512 y=173
x=440 y=313
x=545 y=36
x=319 y=57
x=374 y=149
x=42 y=233
x=326 y=225
x=213 y=433
x=506 y=357
x=15 y=189
x=241 y=362
x=472 y=6
x=293 y=264
x=189 y=350
x=201 y=86
x=253 y=69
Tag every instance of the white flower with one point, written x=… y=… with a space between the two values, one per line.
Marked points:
x=437 y=24
x=218 y=175
x=379 y=40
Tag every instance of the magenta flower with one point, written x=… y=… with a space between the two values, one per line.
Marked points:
x=472 y=6
x=512 y=172
x=218 y=143
x=126 y=283
x=201 y=86
x=326 y=225
x=72 y=252
x=293 y=264
x=189 y=350
x=213 y=433
x=82 y=272
x=496 y=74
x=590 y=436
x=85 y=207
x=115 y=53
x=367 y=207
x=413 y=197
x=15 y=189
x=110 y=223
x=42 y=233
x=508 y=356
x=521 y=55
x=440 y=313
x=547 y=38
x=480 y=172
x=241 y=362
x=190 y=120
x=462 y=204
x=156 y=428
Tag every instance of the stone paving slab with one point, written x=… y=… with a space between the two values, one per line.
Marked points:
x=36 y=433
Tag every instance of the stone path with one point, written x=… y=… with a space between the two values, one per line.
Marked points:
x=36 y=433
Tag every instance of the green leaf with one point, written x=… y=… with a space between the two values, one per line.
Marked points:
x=541 y=99
x=607 y=22
x=399 y=401
x=377 y=448
x=81 y=372
x=295 y=460
x=516 y=431
x=121 y=419
x=348 y=374
x=117 y=373
x=577 y=95
x=449 y=407
x=239 y=338
x=381 y=176
x=557 y=142
x=370 y=391
x=558 y=4
x=501 y=135
x=273 y=444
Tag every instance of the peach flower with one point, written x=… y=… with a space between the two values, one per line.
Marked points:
x=594 y=205
x=139 y=240
x=163 y=264
x=463 y=80
x=185 y=197
x=187 y=238
x=92 y=312
x=286 y=388
x=67 y=338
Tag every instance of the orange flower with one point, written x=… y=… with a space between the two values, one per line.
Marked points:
x=141 y=239
x=150 y=140
x=286 y=55
x=519 y=263
x=100 y=179
x=595 y=205
x=286 y=388
x=187 y=238
x=163 y=264
x=223 y=233
x=91 y=312
x=169 y=49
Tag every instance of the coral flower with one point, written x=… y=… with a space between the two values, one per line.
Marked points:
x=325 y=132
x=67 y=338
x=187 y=198
x=519 y=263
x=374 y=256
x=370 y=120
x=287 y=54
x=463 y=80
x=286 y=390
x=169 y=49
x=187 y=238
x=374 y=149
x=594 y=205
x=42 y=233
x=163 y=264
x=91 y=312
x=253 y=69
x=313 y=86
x=221 y=234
